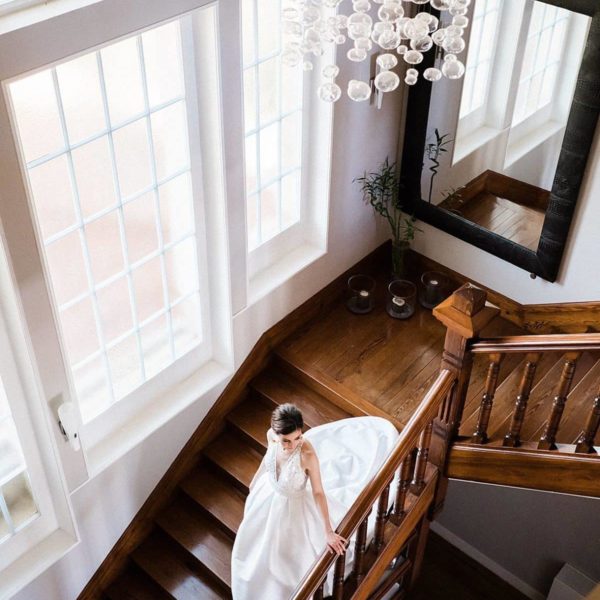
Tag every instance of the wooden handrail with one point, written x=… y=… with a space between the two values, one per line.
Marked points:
x=408 y=439
x=576 y=342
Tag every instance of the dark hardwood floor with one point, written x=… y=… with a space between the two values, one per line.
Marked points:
x=449 y=574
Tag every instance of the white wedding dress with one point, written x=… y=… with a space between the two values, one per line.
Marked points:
x=282 y=532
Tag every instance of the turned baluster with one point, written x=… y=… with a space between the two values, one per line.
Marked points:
x=360 y=547
x=548 y=440
x=382 y=509
x=487 y=400
x=338 y=578
x=418 y=482
x=318 y=595
x=585 y=441
x=403 y=485
x=513 y=437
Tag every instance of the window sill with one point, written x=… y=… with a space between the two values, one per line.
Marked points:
x=34 y=562
x=473 y=142
x=517 y=149
x=158 y=413
x=266 y=280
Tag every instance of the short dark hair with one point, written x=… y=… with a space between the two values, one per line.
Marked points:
x=286 y=418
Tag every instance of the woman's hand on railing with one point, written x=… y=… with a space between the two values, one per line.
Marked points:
x=336 y=543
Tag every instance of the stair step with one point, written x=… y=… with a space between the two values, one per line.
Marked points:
x=200 y=536
x=134 y=584
x=252 y=419
x=316 y=410
x=217 y=497
x=237 y=459
x=157 y=558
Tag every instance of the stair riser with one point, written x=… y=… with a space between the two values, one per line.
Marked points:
x=258 y=446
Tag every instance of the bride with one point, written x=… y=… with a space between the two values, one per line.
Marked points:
x=303 y=488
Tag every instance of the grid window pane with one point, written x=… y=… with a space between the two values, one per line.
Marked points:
x=81 y=97
x=19 y=500
x=484 y=29
x=10 y=450
x=273 y=124
x=545 y=44
x=115 y=208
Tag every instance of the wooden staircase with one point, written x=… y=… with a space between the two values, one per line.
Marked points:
x=187 y=556
x=454 y=402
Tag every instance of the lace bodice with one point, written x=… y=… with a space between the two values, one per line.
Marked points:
x=292 y=477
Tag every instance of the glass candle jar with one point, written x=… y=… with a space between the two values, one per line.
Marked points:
x=434 y=288
x=360 y=294
x=401 y=300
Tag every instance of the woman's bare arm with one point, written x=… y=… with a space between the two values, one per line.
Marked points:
x=335 y=542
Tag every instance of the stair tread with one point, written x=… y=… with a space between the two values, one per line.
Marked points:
x=134 y=584
x=157 y=559
x=253 y=419
x=200 y=536
x=316 y=410
x=216 y=496
x=235 y=457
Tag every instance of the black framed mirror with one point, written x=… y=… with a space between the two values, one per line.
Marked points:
x=447 y=203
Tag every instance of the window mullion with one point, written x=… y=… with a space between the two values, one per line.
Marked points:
x=78 y=215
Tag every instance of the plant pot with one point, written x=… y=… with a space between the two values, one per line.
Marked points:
x=399 y=249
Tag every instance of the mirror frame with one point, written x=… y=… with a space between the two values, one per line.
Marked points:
x=574 y=153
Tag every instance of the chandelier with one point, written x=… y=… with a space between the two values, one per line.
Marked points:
x=309 y=25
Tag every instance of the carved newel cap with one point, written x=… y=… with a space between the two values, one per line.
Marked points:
x=465 y=311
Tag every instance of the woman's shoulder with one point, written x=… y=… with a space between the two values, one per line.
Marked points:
x=271 y=437
x=308 y=450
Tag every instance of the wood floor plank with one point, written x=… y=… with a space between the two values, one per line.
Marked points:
x=158 y=560
x=201 y=537
x=252 y=419
x=217 y=497
x=237 y=459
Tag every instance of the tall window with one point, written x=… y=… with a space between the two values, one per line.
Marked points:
x=541 y=61
x=480 y=56
x=104 y=140
x=273 y=125
x=17 y=506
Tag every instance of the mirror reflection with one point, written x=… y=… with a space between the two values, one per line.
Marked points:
x=493 y=141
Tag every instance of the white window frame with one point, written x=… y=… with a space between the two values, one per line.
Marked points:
x=51 y=532
x=133 y=419
x=279 y=258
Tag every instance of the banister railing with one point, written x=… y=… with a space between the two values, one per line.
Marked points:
x=416 y=433
x=576 y=342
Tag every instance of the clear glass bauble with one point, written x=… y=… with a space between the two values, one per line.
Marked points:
x=363 y=43
x=433 y=24
x=410 y=80
x=389 y=40
x=412 y=72
x=454 y=45
x=460 y=21
x=402 y=48
x=453 y=69
x=357 y=18
x=432 y=74
x=310 y=15
x=290 y=13
x=413 y=57
x=415 y=29
x=291 y=57
x=358 y=30
x=291 y=29
x=401 y=25
x=420 y=1
x=332 y=3
x=307 y=65
x=450 y=57
x=422 y=44
x=387 y=13
x=359 y=91
x=458 y=11
x=340 y=39
x=454 y=31
x=330 y=71
x=341 y=21
x=387 y=81
x=387 y=61
x=356 y=54
x=424 y=17
x=439 y=36
x=361 y=6
x=329 y=92
x=382 y=26
x=441 y=4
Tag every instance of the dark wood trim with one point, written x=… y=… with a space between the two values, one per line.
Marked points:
x=577 y=143
x=538 y=343
x=567 y=317
x=527 y=468
x=214 y=422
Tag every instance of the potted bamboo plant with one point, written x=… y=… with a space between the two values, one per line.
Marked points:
x=381 y=190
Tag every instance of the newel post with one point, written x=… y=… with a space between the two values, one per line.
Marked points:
x=465 y=314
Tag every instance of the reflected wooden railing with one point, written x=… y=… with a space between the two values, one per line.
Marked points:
x=409 y=460
x=533 y=347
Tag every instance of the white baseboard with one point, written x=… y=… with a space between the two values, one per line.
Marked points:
x=487 y=562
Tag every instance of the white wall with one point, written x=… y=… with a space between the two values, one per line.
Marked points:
x=105 y=505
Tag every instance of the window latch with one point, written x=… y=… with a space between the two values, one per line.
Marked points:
x=68 y=423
